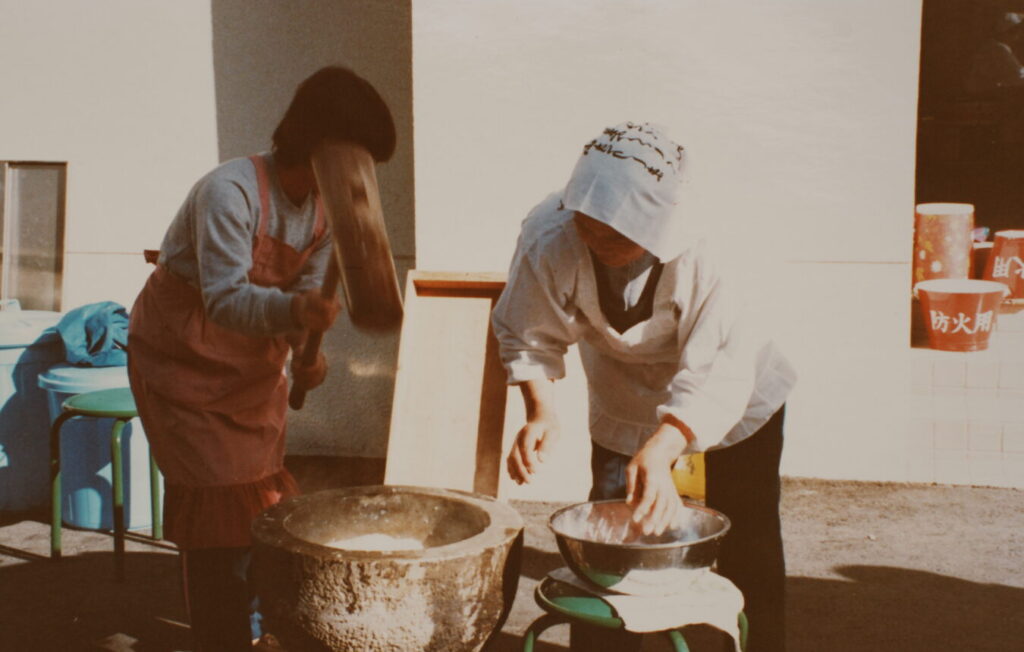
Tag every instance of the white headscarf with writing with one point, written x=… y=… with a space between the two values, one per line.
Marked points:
x=629 y=178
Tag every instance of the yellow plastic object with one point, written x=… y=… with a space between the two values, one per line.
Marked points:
x=688 y=475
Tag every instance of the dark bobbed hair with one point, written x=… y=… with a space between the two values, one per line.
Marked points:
x=334 y=103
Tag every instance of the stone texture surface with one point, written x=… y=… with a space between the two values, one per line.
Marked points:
x=447 y=597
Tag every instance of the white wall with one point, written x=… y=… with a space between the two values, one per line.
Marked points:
x=799 y=118
x=123 y=91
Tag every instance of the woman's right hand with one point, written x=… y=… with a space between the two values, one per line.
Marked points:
x=533 y=443
x=540 y=433
x=312 y=311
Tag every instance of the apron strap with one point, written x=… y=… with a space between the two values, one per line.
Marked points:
x=264 y=186
x=262 y=179
x=321 y=223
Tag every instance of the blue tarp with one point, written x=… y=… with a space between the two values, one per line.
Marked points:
x=96 y=335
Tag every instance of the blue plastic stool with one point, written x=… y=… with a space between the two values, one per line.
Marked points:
x=565 y=603
x=117 y=404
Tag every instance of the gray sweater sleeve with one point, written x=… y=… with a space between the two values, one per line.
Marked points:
x=224 y=223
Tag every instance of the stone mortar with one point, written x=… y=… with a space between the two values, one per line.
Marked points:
x=451 y=596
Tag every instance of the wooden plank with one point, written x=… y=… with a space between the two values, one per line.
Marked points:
x=448 y=415
x=460 y=280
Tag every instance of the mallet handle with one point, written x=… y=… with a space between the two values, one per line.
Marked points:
x=297 y=396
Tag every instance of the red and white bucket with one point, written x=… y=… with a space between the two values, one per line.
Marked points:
x=959 y=314
x=1006 y=262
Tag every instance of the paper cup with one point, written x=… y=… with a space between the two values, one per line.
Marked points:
x=942 y=241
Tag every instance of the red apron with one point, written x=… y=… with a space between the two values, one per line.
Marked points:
x=212 y=400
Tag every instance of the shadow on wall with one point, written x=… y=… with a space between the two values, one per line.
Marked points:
x=262 y=49
x=25 y=424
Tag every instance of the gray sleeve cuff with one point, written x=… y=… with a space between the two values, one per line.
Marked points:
x=279 y=313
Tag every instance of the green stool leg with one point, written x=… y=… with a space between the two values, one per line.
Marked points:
x=56 y=515
x=155 y=499
x=677 y=640
x=744 y=630
x=537 y=628
x=117 y=471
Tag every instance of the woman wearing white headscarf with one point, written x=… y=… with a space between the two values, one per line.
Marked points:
x=672 y=363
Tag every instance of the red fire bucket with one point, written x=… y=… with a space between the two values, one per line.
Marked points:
x=1006 y=262
x=959 y=313
x=942 y=241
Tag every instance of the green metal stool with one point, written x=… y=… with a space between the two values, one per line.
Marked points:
x=565 y=603
x=117 y=404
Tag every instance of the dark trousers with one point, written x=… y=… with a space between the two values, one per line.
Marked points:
x=221 y=605
x=742 y=481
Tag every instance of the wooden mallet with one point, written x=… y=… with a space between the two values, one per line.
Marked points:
x=347 y=181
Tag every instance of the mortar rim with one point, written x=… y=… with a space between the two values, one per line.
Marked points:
x=506 y=524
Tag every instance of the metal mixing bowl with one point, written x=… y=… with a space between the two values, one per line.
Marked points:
x=600 y=543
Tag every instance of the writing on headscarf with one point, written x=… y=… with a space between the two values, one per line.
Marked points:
x=632 y=132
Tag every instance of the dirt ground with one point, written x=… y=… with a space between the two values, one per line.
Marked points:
x=871 y=566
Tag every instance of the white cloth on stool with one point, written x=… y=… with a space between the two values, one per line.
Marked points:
x=709 y=599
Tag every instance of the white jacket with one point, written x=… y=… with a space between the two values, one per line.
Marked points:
x=698 y=357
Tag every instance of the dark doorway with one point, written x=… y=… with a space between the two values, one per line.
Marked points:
x=970 y=145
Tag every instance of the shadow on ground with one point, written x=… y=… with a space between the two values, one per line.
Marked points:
x=876 y=608
x=538 y=563
x=76 y=604
x=886 y=608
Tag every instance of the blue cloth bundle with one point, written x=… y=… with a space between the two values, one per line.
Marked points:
x=96 y=335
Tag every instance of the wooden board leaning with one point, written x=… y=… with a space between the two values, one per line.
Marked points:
x=448 y=415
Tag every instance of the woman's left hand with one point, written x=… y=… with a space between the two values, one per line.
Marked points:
x=307 y=377
x=649 y=486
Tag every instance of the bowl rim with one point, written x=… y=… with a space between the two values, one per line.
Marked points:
x=726 y=522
